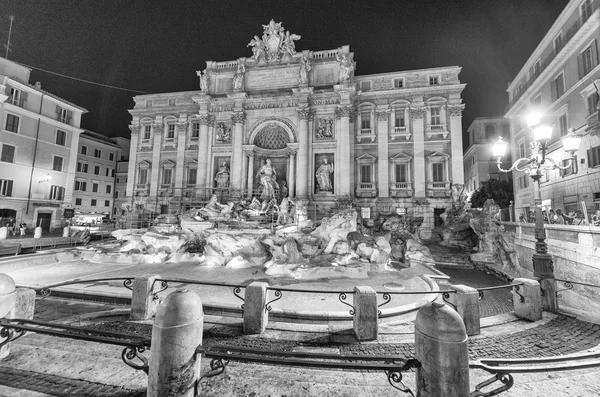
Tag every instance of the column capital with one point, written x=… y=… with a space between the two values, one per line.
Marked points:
x=238 y=117
x=455 y=110
x=291 y=152
x=204 y=119
x=304 y=113
x=135 y=129
x=343 y=111
x=383 y=114
x=249 y=153
x=182 y=126
x=418 y=112
x=158 y=128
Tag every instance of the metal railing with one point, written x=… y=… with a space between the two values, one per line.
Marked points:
x=164 y=285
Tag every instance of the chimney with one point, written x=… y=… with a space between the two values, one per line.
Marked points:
x=38 y=85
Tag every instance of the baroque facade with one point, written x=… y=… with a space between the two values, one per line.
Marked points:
x=389 y=140
x=561 y=78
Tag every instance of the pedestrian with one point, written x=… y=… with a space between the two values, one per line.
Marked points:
x=22 y=227
x=558 y=218
x=551 y=216
x=531 y=218
x=579 y=219
x=11 y=226
x=596 y=218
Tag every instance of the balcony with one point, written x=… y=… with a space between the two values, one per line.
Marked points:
x=366 y=133
x=439 y=189
x=142 y=190
x=145 y=145
x=366 y=189
x=593 y=123
x=437 y=131
x=400 y=133
x=401 y=189
x=169 y=144
x=17 y=102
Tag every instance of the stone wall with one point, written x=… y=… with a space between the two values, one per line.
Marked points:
x=576 y=253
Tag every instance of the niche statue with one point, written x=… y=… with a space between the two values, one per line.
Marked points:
x=222 y=177
x=323 y=175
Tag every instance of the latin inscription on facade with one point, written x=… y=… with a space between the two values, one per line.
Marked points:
x=268 y=79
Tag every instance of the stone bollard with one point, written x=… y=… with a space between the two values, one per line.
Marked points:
x=177 y=332
x=37 y=232
x=66 y=231
x=256 y=315
x=549 y=299
x=3 y=232
x=365 y=313
x=531 y=296
x=441 y=346
x=143 y=304
x=8 y=299
x=466 y=300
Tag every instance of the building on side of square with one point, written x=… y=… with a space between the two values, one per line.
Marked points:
x=561 y=77
x=39 y=137
x=121 y=201
x=479 y=164
x=389 y=140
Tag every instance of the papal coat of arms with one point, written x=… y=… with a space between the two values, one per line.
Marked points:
x=276 y=44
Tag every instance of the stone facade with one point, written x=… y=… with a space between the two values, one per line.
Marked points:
x=390 y=140
x=39 y=138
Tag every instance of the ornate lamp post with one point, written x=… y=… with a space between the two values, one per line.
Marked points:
x=533 y=166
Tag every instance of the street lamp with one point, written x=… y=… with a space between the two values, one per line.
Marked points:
x=533 y=166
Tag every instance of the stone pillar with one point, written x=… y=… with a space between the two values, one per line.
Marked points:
x=156 y=149
x=207 y=188
x=549 y=298
x=131 y=167
x=250 y=156
x=8 y=300
x=466 y=300
x=292 y=178
x=417 y=115
x=303 y=152
x=256 y=316
x=441 y=346
x=176 y=333
x=203 y=144
x=365 y=313
x=455 y=114
x=239 y=118
x=342 y=162
x=37 y=232
x=181 y=129
x=527 y=299
x=383 y=167
x=143 y=306
x=3 y=232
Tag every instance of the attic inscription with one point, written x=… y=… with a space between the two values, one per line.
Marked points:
x=267 y=79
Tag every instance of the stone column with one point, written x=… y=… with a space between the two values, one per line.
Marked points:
x=156 y=148
x=207 y=188
x=292 y=172
x=383 y=169
x=250 y=156
x=203 y=144
x=343 y=162
x=417 y=114
x=180 y=167
x=303 y=151
x=239 y=118
x=455 y=114
x=133 y=149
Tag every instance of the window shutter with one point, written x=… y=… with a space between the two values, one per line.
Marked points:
x=58 y=109
x=69 y=116
x=590 y=155
x=580 y=65
x=594 y=53
x=554 y=90
x=9 y=185
x=23 y=98
x=61 y=193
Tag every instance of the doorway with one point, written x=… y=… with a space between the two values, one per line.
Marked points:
x=44 y=220
x=7 y=216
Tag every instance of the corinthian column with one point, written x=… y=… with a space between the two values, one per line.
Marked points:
x=342 y=163
x=302 y=174
x=383 y=170
x=250 y=179
x=237 y=160
x=455 y=114
x=417 y=114
x=133 y=148
x=156 y=147
x=292 y=172
x=203 y=144
x=181 y=135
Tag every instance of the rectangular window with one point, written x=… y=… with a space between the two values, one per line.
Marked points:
x=84 y=150
x=8 y=154
x=434 y=80
x=192 y=173
x=15 y=97
x=436 y=118
x=572 y=170
x=170 y=131
x=61 y=137
x=522 y=149
x=112 y=172
x=97 y=153
x=111 y=156
x=95 y=187
x=586 y=9
x=365 y=120
x=147 y=130
x=166 y=176
x=195 y=130
x=564 y=128
x=587 y=61
x=365 y=86
x=107 y=203
x=116 y=194
x=57 y=164
x=537 y=68
x=438 y=172
x=108 y=189
x=398 y=83
x=558 y=43
x=56 y=192
x=593 y=156
x=6 y=186
x=143 y=176
x=78 y=201
x=593 y=103
x=96 y=170
x=94 y=202
x=12 y=123
x=107 y=171
x=557 y=87
x=79 y=165
x=401 y=173
x=80 y=185
x=365 y=173
x=400 y=120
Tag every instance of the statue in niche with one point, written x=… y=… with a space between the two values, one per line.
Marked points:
x=346 y=66
x=258 y=49
x=238 y=78
x=325 y=129
x=223 y=133
x=222 y=177
x=304 y=69
x=268 y=180
x=323 y=175
x=203 y=75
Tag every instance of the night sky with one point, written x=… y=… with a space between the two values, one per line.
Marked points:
x=157 y=46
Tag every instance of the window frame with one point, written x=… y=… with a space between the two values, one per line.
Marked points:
x=2 y=154
x=434 y=79
x=61 y=138
x=16 y=124
x=98 y=153
x=62 y=163
x=6 y=187
x=84 y=150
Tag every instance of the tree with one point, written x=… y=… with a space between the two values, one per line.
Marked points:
x=500 y=191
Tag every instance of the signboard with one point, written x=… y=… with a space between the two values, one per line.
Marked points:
x=69 y=212
x=365 y=212
x=269 y=79
x=400 y=211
